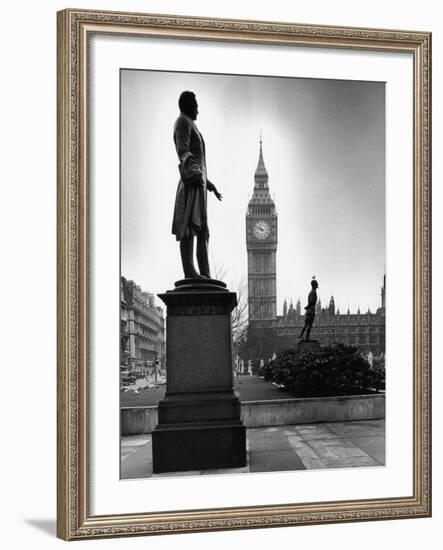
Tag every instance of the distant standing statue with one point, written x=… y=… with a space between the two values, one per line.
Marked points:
x=190 y=212
x=310 y=310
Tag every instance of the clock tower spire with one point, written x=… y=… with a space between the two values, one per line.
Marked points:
x=261 y=245
x=261 y=176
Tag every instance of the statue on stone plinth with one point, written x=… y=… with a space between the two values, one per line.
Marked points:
x=199 y=419
x=310 y=310
x=190 y=212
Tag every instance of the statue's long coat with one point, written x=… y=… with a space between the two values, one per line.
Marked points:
x=190 y=210
x=312 y=300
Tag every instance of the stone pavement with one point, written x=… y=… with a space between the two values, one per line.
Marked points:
x=281 y=448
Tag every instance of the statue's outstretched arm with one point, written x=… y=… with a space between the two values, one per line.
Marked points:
x=211 y=187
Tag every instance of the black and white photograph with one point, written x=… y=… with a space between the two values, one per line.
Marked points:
x=253 y=279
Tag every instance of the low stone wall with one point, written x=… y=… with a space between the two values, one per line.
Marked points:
x=138 y=420
x=313 y=409
x=141 y=420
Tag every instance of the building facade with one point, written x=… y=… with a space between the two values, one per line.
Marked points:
x=269 y=333
x=142 y=329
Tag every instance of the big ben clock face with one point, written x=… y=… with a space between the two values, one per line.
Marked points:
x=262 y=230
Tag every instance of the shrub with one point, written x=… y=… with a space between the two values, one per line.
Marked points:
x=329 y=371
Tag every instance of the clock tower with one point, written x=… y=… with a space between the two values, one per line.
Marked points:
x=261 y=245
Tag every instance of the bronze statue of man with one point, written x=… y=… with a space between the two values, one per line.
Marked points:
x=190 y=212
x=310 y=310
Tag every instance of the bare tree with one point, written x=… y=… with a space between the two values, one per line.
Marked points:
x=239 y=316
x=219 y=270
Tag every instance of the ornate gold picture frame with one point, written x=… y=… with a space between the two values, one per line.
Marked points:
x=75 y=518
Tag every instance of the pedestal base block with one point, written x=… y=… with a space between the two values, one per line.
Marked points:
x=198 y=446
x=199 y=407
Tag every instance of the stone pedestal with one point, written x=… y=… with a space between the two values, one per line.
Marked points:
x=308 y=345
x=199 y=424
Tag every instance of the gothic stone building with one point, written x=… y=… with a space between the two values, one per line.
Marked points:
x=269 y=333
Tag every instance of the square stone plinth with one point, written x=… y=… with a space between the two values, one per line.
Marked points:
x=199 y=426
x=198 y=446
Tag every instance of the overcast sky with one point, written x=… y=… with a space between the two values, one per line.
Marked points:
x=324 y=150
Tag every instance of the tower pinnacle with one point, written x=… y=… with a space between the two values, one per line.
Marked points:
x=261 y=174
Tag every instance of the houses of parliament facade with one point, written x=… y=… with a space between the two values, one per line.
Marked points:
x=269 y=333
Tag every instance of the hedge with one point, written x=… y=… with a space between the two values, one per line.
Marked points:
x=332 y=370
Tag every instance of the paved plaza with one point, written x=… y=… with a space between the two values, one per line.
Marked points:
x=250 y=388
x=281 y=448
